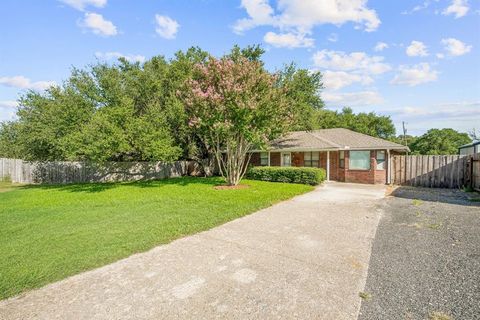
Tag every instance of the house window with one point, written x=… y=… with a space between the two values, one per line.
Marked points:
x=310 y=159
x=341 y=163
x=264 y=158
x=286 y=159
x=359 y=160
x=380 y=160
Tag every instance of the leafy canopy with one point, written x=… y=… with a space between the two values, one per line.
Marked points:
x=439 y=141
x=234 y=106
x=367 y=123
x=132 y=111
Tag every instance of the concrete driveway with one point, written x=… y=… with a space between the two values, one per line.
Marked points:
x=305 y=258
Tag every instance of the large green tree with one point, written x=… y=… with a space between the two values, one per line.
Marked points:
x=302 y=90
x=368 y=123
x=132 y=111
x=439 y=141
x=9 y=147
x=234 y=106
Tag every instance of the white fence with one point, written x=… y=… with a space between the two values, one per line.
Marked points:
x=54 y=172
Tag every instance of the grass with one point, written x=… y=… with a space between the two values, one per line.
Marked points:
x=365 y=295
x=439 y=316
x=416 y=202
x=50 y=232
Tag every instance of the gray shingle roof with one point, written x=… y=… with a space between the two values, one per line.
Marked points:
x=331 y=139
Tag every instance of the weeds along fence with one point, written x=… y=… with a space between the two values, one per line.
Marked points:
x=58 y=172
x=436 y=171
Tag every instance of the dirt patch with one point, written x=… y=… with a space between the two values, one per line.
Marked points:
x=225 y=187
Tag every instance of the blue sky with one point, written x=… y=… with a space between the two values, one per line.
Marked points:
x=415 y=60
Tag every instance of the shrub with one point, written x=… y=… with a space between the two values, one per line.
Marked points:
x=303 y=175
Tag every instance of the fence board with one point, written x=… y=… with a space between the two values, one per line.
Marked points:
x=54 y=172
x=433 y=171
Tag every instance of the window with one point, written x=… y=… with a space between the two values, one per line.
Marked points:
x=380 y=160
x=286 y=159
x=359 y=160
x=264 y=158
x=310 y=159
x=342 y=159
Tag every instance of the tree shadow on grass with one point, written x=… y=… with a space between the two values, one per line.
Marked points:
x=451 y=196
x=95 y=187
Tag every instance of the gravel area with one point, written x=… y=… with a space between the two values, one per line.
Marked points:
x=425 y=259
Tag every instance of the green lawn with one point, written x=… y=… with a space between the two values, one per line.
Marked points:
x=50 y=232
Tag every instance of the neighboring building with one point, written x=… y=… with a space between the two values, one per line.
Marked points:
x=346 y=155
x=469 y=149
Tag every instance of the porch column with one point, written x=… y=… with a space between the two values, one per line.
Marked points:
x=269 y=158
x=328 y=165
x=389 y=170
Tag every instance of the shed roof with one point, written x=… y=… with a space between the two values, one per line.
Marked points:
x=332 y=139
x=471 y=144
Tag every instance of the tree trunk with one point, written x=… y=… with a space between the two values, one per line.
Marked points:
x=234 y=160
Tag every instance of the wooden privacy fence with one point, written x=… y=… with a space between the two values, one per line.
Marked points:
x=52 y=172
x=430 y=171
x=473 y=172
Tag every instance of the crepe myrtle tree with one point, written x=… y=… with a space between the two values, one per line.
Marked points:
x=235 y=105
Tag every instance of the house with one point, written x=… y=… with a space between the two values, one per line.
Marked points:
x=469 y=149
x=346 y=155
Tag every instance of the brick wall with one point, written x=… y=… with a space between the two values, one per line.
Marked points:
x=334 y=170
x=370 y=176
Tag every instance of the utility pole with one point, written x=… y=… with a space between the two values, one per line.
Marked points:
x=405 y=135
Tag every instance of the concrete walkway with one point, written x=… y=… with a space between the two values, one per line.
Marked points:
x=305 y=258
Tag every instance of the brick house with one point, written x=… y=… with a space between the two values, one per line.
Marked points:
x=347 y=156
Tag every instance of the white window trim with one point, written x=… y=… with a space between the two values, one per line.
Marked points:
x=281 y=159
x=268 y=158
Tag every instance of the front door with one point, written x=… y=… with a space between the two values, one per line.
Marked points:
x=286 y=159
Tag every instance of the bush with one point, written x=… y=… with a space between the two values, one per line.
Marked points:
x=303 y=175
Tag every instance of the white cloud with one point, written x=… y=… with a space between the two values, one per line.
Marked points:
x=335 y=80
x=415 y=75
x=98 y=25
x=470 y=108
x=259 y=12
x=358 y=61
x=420 y=7
x=455 y=47
x=288 y=40
x=8 y=104
x=301 y=16
x=8 y=110
x=22 y=82
x=115 y=55
x=333 y=37
x=459 y=8
x=461 y=116
x=342 y=69
x=82 y=4
x=360 y=98
x=417 y=49
x=166 y=26
x=380 y=46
